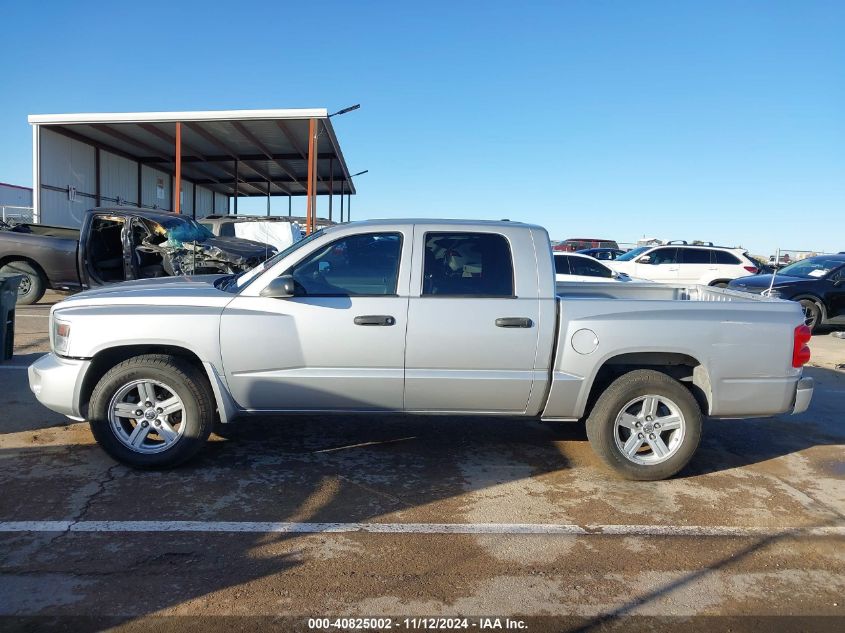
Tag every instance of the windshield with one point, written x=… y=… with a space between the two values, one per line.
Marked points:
x=242 y=279
x=632 y=254
x=185 y=230
x=812 y=267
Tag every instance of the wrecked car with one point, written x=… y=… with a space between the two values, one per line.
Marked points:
x=119 y=244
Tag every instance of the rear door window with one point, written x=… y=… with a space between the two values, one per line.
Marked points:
x=694 y=256
x=467 y=264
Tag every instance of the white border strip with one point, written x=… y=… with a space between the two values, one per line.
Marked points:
x=162 y=117
x=265 y=527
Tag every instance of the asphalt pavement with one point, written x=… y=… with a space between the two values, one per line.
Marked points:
x=399 y=517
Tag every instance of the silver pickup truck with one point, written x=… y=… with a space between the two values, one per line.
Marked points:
x=420 y=316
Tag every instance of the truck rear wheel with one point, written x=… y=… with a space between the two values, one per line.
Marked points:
x=646 y=425
x=32 y=286
x=152 y=411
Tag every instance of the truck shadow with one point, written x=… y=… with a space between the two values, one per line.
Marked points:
x=318 y=469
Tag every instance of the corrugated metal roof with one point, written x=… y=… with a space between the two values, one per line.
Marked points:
x=270 y=146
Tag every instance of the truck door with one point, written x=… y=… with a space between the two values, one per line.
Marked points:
x=662 y=265
x=835 y=292
x=338 y=344
x=472 y=321
x=696 y=266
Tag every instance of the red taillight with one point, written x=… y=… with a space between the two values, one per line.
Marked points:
x=800 y=350
x=752 y=269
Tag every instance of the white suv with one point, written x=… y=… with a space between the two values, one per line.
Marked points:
x=684 y=263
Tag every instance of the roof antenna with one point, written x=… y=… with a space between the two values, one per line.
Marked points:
x=774 y=273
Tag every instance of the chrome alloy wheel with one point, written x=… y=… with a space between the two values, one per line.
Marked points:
x=649 y=429
x=147 y=416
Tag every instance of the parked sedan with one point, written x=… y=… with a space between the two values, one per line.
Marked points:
x=817 y=283
x=577 y=267
x=602 y=253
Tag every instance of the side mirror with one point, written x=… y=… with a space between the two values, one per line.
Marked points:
x=645 y=259
x=614 y=274
x=280 y=288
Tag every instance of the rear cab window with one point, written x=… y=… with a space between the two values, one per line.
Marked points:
x=467 y=264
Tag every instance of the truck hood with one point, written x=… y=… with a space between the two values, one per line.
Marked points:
x=241 y=247
x=197 y=291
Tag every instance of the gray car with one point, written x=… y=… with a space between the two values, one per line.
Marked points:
x=427 y=317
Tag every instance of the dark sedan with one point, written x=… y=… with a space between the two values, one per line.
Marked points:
x=602 y=253
x=818 y=283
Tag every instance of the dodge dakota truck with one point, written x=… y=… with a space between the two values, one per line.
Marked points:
x=116 y=244
x=424 y=317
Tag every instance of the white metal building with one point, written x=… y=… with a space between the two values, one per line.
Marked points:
x=81 y=161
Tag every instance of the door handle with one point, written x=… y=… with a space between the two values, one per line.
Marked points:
x=375 y=319
x=514 y=322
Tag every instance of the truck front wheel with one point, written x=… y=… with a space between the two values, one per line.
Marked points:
x=152 y=411
x=646 y=425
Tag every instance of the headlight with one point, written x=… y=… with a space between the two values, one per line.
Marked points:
x=61 y=336
x=774 y=293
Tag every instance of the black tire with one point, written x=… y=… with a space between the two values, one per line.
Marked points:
x=184 y=380
x=601 y=425
x=812 y=314
x=33 y=285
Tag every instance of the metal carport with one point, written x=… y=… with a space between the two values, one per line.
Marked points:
x=144 y=158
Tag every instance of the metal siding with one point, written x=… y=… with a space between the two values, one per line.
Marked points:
x=149 y=177
x=187 y=204
x=118 y=178
x=57 y=210
x=15 y=196
x=204 y=202
x=221 y=203
x=66 y=162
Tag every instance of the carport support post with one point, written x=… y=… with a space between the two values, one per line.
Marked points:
x=349 y=207
x=342 y=187
x=235 y=187
x=177 y=183
x=290 y=208
x=309 y=209
x=268 y=197
x=331 y=186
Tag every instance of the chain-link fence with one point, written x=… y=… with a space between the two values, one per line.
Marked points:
x=15 y=215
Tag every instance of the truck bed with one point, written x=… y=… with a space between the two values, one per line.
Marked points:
x=46 y=230
x=657 y=292
x=741 y=344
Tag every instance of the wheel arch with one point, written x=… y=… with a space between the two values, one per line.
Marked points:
x=817 y=299
x=107 y=358
x=684 y=368
x=720 y=281
x=10 y=259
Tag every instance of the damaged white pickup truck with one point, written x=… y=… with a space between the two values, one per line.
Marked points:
x=420 y=316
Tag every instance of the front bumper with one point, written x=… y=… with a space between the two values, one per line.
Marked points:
x=803 y=395
x=57 y=382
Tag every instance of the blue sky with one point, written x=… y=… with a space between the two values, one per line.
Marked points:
x=709 y=120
